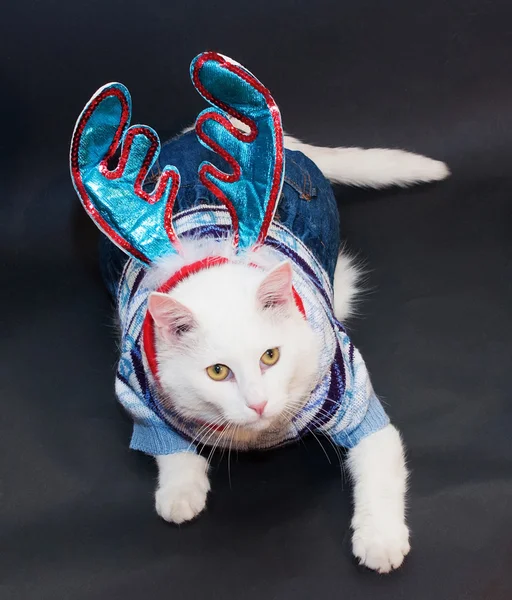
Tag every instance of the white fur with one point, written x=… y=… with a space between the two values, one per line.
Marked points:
x=347 y=276
x=366 y=167
x=377 y=466
x=182 y=486
x=373 y=167
x=230 y=327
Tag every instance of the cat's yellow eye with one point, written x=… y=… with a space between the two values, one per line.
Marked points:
x=218 y=372
x=270 y=357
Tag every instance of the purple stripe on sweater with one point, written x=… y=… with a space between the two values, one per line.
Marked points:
x=339 y=325
x=200 y=208
x=142 y=380
x=136 y=283
x=334 y=398
x=214 y=231
x=298 y=260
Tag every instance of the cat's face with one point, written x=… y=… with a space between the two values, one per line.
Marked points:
x=233 y=348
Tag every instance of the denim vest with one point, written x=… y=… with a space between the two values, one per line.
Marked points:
x=307 y=206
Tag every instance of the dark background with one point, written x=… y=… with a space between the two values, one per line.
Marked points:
x=76 y=507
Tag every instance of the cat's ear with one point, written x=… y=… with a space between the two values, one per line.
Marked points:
x=275 y=291
x=170 y=316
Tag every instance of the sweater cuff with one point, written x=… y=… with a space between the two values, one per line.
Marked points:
x=374 y=420
x=157 y=441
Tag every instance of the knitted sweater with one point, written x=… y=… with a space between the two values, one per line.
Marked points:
x=343 y=404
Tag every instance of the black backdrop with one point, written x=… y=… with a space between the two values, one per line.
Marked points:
x=77 y=515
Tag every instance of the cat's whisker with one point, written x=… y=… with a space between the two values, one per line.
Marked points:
x=197 y=436
x=221 y=440
x=235 y=430
x=228 y=429
x=206 y=427
x=214 y=432
x=338 y=455
x=218 y=440
x=217 y=443
x=288 y=411
x=309 y=430
x=320 y=444
x=218 y=423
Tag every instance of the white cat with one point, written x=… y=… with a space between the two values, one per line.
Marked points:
x=231 y=303
x=242 y=323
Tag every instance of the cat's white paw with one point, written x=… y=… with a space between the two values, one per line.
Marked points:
x=183 y=487
x=381 y=546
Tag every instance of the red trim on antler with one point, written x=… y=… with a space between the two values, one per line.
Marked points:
x=238 y=70
x=77 y=175
x=118 y=172
x=210 y=169
x=278 y=138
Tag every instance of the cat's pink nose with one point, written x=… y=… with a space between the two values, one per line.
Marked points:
x=259 y=408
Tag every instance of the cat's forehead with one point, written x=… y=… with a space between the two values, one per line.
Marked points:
x=223 y=301
x=226 y=286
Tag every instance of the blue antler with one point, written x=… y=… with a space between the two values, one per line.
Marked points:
x=137 y=221
x=252 y=190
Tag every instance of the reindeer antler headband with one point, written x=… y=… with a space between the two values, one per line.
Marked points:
x=140 y=222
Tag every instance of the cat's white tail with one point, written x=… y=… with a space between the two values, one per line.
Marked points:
x=366 y=167
x=372 y=167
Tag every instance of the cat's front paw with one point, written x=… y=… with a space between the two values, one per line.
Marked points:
x=183 y=488
x=381 y=546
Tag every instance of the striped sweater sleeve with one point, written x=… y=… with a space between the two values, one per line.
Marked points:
x=134 y=387
x=151 y=434
x=361 y=412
